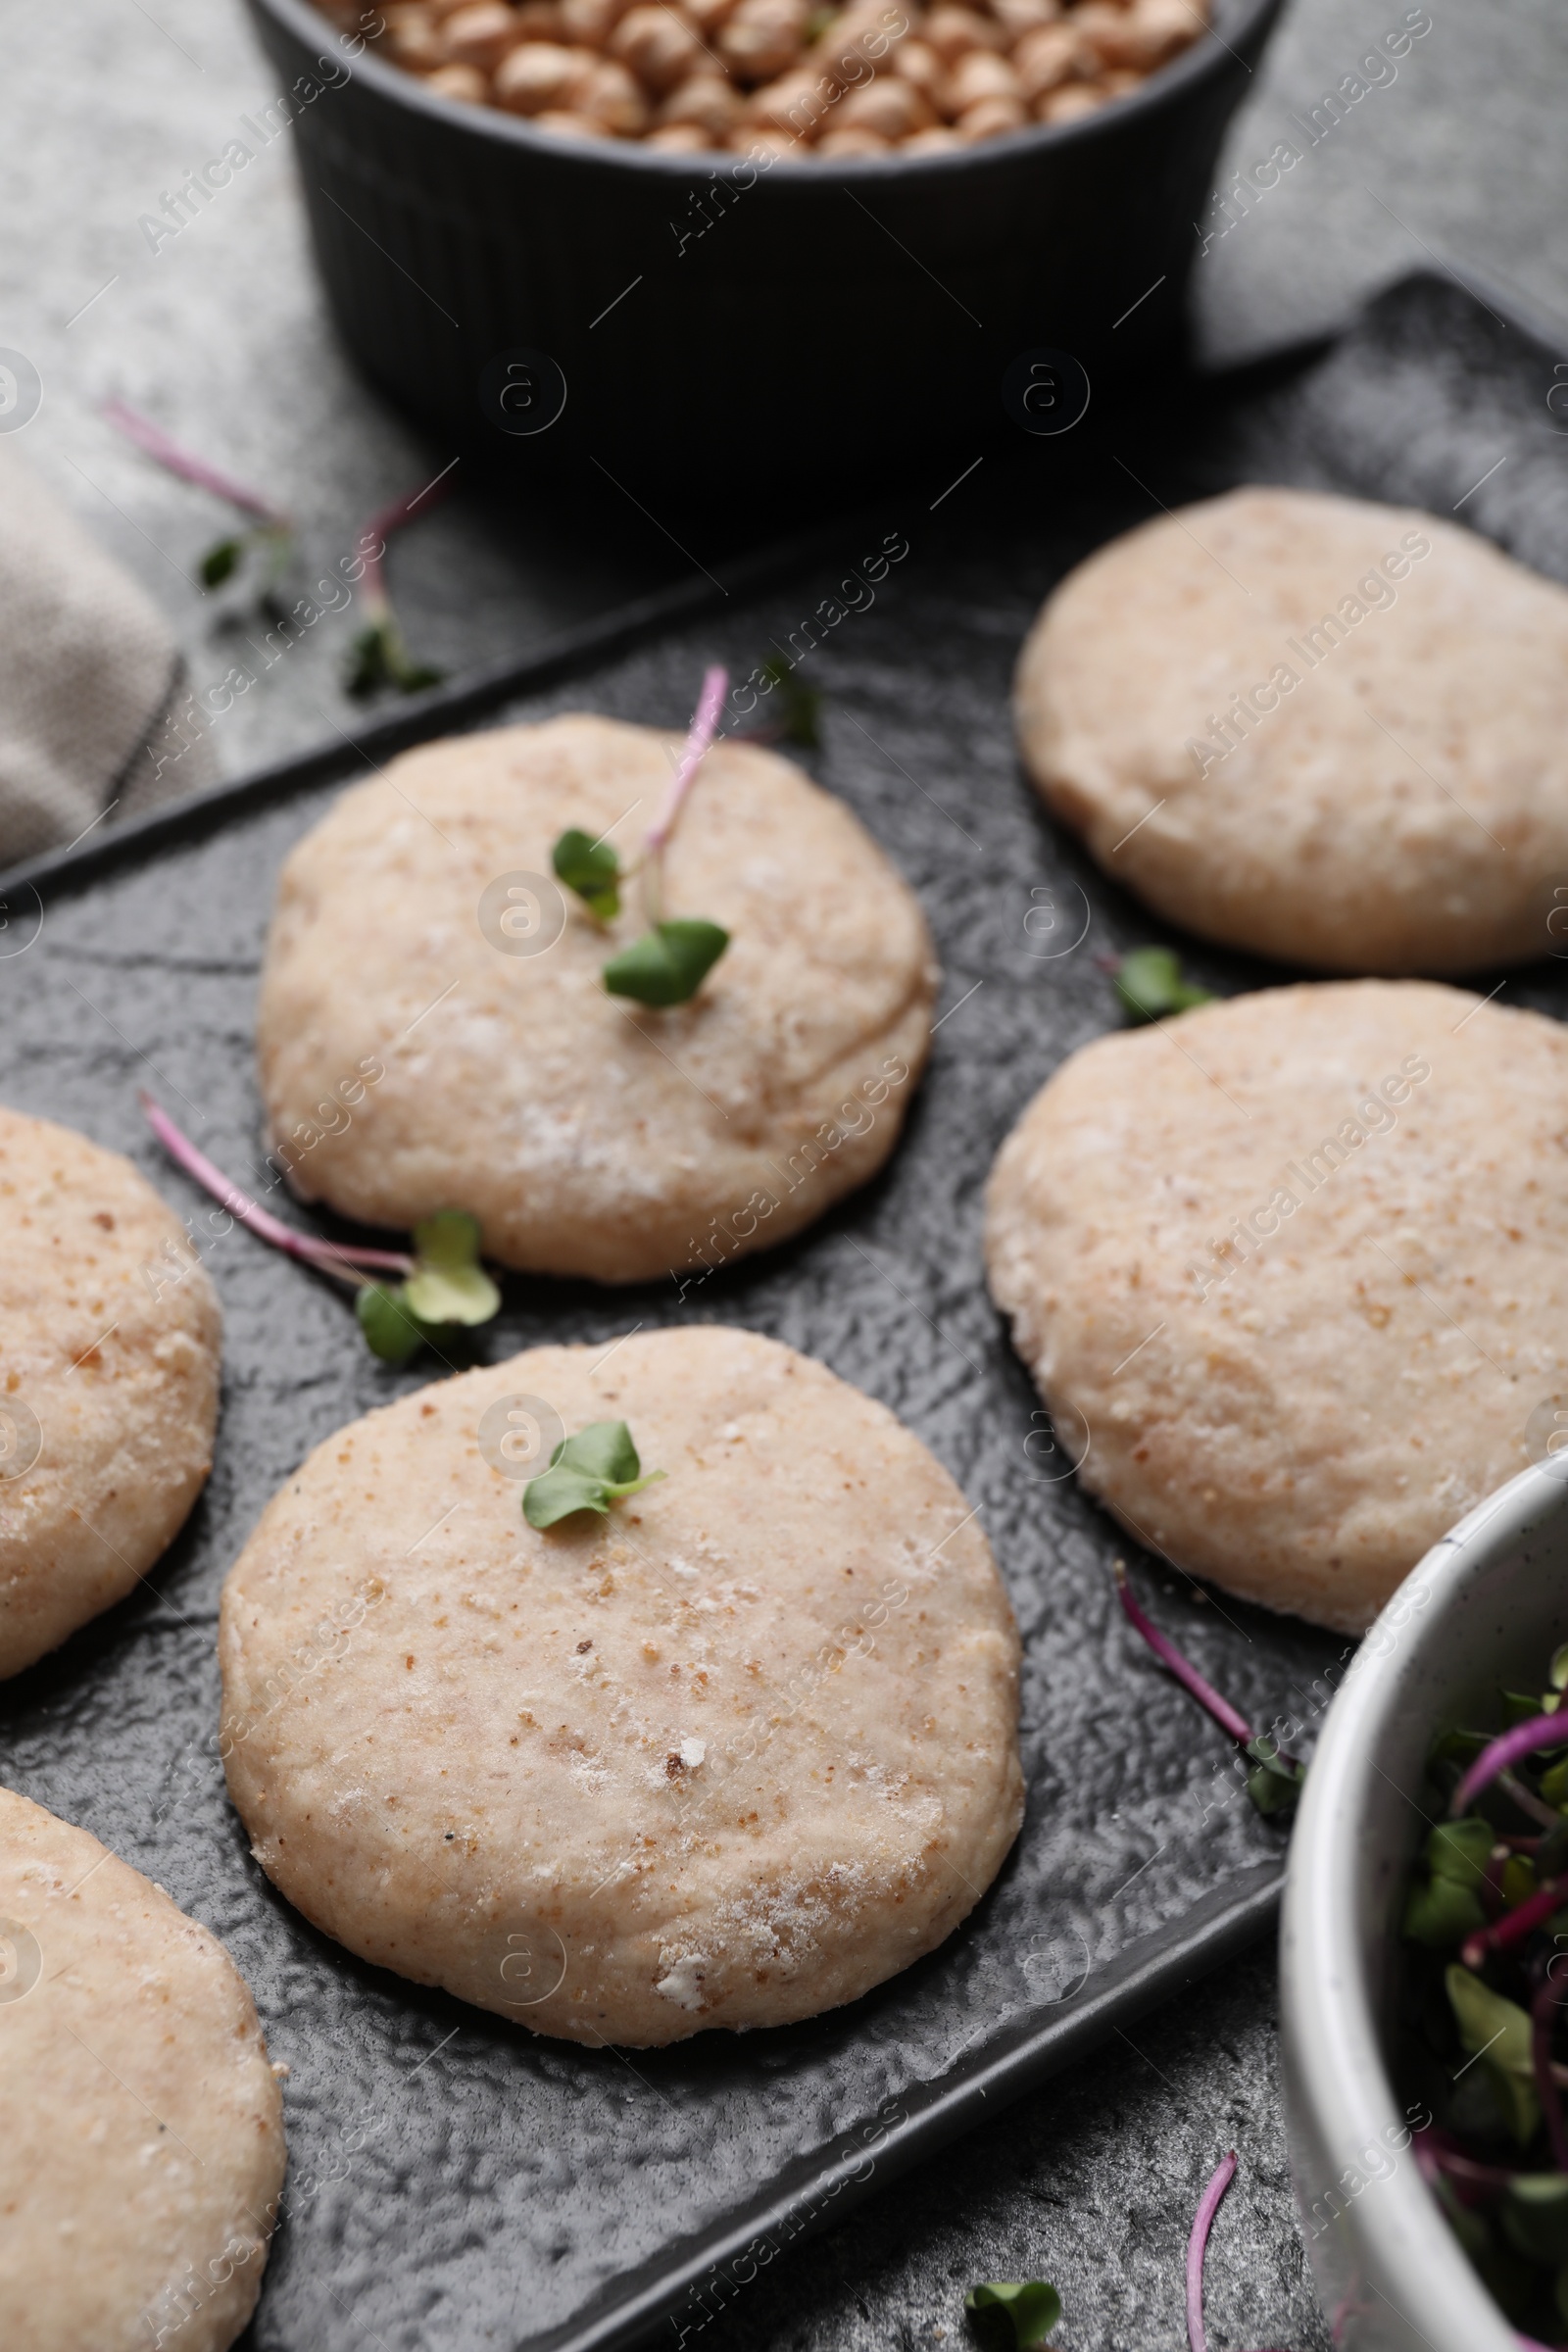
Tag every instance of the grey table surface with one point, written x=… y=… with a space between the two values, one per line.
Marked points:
x=223 y=338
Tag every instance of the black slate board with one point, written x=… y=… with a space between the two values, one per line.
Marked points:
x=455 y=2182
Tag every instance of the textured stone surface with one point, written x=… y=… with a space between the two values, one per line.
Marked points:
x=1091 y=2183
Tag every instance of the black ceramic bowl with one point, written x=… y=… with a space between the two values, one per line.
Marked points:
x=724 y=329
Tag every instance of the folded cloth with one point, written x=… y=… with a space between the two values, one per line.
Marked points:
x=88 y=667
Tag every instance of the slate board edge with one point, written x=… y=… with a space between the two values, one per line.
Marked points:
x=1151 y=1972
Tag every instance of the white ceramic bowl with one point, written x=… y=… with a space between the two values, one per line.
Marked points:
x=1488 y=1605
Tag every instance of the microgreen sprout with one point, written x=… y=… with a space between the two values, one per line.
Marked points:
x=668 y=963
x=1540 y=1731
x=1012 y=2314
x=378 y=655
x=270 y=532
x=1149 y=985
x=1198 y=2248
x=1275 y=1780
x=588 y=1472
x=592 y=870
x=1015 y=2315
x=800 y=707
x=441 y=1281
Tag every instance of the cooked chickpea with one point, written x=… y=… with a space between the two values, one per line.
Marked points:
x=917 y=62
x=538 y=76
x=1018 y=17
x=706 y=102
x=988 y=118
x=981 y=75
x=763 y=38
x=852 y=142
x=765 y=147
x=795 y=104
x=952 y=31
x=778 y=78
x=1067 y=105
x=1043 y=61
x=466 y=83
x=568 y=126
x=660 y=47
x=615 y=98
x=480 y=35
x=414 y=38
x=890 y=107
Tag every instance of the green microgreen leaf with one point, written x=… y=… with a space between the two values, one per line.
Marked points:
x=448 y=1284
x=592 y=870
x=668 y=964
x=392 y=1333
x=800 y=707
x=1274 y=1784
x=1459 y=1851
x=1557 y=1673
x=1535 y=2215
x=1013 y=2315
x=1554 y=1784
x=221 y=562
x=378 y=657
x=1497 y=2034
x=1149 y=984
x=1440 y=1915
x=588 y=1472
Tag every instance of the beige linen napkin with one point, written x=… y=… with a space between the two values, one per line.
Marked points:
x=88 y=667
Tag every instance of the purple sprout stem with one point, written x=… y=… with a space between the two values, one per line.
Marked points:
x=378 y=530
x=328 y=1257
x=166 y=451
x=1515 y=1924
x=699 y=739
x=1208 y=2205
x=1541 y=1731
x=1186 y=1673
x=1197 y=2246
x=1544 y=2013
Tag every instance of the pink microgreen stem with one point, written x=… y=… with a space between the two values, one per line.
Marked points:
x=1474 y=2182
x=1197 y=2246
x=1515 y=1924
x=166 y=451
x=381 y=528
x=1544 y=2010
x=1186 y=1673
x=328 y=1257
x=1541 y=1731
x=704 y=723
x=704 y=726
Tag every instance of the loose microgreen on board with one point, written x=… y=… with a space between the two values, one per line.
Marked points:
x=1012 y=2314
x=1149 y=984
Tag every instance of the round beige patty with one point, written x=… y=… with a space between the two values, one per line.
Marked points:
x=108 y=1368
x=1300 y=1261
x=587 y=1133
x=727 y=1757
x=142 y=2153
x=1328 y=731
